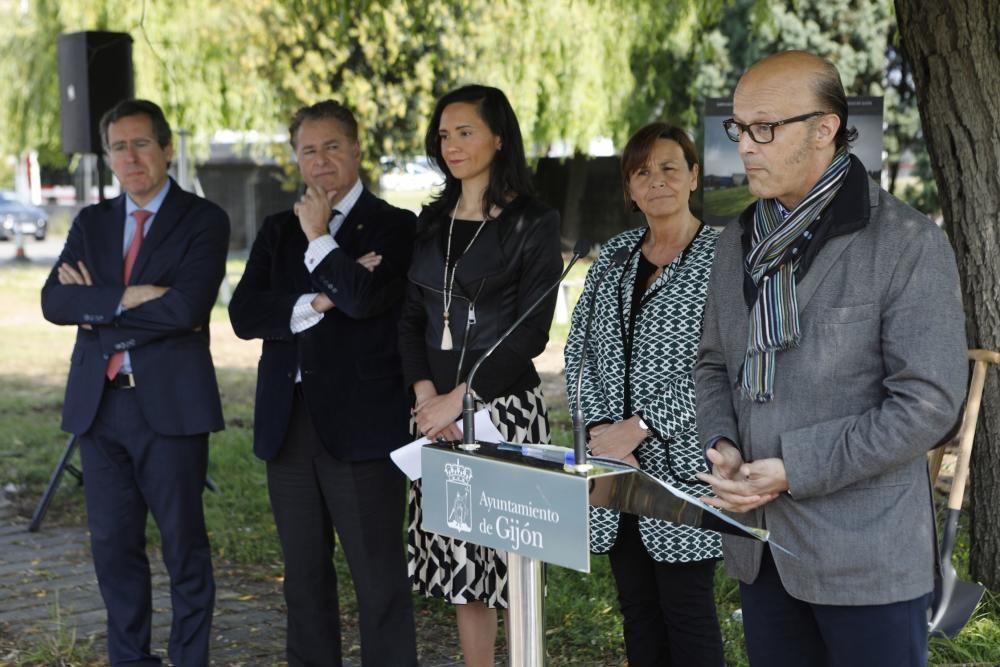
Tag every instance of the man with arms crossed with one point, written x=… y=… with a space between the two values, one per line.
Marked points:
x=138 y=277
x=833 y=358
x=323 y=288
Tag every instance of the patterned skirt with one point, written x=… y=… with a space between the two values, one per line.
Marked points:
x=456 y=570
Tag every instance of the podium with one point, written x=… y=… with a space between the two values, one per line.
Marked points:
x=533 y=503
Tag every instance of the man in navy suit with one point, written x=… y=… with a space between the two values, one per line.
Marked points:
x=323 y=288
x=138 y=277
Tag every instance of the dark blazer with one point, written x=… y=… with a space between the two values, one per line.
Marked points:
x=351 y=375
x=168 y=337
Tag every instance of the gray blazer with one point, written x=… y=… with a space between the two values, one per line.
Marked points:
x=877 y=380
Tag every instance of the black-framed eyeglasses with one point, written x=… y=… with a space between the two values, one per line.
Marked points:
x=763 y=133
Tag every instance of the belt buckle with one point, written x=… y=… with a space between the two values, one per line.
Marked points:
x=123 y=381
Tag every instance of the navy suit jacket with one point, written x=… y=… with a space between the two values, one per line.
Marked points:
x=167 y=338
x=351 y=371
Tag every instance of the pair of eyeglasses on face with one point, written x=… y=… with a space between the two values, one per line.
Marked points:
x=763 y=133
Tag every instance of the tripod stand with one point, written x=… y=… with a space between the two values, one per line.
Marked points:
x=64 y=465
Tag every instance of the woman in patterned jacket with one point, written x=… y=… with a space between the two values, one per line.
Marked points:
x=486 y=249
x=639 y=402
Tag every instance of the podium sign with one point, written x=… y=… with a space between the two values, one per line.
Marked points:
x=498 y=498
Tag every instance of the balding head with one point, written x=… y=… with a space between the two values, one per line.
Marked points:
x=792 y=89
x=811 y=74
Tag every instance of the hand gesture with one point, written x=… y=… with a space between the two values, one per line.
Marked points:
x=313 y=210
x=618 y=440
x=436 y=415
x=740 y=486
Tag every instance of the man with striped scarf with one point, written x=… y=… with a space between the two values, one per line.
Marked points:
x=832 y=360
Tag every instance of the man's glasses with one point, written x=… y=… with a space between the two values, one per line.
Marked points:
x=763 y=133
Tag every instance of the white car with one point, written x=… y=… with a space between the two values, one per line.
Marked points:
x=16 y=215
x=408 y=175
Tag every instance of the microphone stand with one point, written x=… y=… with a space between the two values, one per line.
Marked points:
x=619 y=258
x=468 y=401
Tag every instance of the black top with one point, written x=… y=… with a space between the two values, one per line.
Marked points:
x=462 y=233
x=515 y=258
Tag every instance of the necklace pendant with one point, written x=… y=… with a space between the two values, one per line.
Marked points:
x=446 y=334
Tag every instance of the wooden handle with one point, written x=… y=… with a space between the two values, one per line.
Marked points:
x=989 y=356
x=967 y=433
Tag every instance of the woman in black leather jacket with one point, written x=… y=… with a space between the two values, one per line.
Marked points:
x=485 y=250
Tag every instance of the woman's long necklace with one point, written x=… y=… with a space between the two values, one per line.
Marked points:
x=449 y=279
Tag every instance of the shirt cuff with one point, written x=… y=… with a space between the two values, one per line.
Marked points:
x=710 y=444
x=318 y=249
x=304 y=315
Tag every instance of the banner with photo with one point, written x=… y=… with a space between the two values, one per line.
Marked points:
x=724 y=188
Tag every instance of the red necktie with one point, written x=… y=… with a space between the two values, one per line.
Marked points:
x=116 y=360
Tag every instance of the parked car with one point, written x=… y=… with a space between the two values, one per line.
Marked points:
x=15 y=214
x=417 y=174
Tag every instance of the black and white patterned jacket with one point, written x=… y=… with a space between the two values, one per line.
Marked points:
x=667 y=332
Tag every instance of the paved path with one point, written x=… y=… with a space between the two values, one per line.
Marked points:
x=47 y=580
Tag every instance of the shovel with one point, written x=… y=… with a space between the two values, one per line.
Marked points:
x=954 y=599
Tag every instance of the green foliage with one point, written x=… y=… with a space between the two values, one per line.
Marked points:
x=184 y=56
x=574 y=69
x=30 y=105
x=388 y=60
x=563 y=64
x=582 y=621
x=677 y=61
x=728 y=201
x=922 y=192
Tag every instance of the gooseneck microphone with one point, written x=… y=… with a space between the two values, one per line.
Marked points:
x=618 y=258
x=581 y=249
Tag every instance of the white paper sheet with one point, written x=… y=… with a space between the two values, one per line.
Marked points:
x=407 y=457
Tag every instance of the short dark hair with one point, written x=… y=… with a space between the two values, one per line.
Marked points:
x=640 y=145
x=322 y=110
x=509 y=172
x=829 y=92
x=135 y=107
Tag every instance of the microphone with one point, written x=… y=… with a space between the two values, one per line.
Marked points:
x=581 y=249
x=618 y=258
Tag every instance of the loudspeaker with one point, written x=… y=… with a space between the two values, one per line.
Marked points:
x=95 y=73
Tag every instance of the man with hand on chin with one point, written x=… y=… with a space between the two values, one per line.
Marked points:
x=833 y=357
x=323 y=288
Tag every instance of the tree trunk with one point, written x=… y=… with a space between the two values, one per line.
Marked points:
x=954 y=48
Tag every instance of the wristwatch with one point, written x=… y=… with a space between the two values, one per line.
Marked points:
x=642 y=422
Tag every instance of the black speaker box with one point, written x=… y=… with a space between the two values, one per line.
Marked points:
x=95 y=73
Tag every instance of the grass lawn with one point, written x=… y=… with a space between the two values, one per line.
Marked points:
x=725 y=204
x=582 y=621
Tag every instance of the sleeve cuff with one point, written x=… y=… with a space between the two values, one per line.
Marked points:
x=710 y=443
x=318 y=249
x=303 y=314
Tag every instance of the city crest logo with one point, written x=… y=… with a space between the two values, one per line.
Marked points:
x=458 y=496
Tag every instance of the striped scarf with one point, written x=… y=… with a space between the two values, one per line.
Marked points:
x=775 y=246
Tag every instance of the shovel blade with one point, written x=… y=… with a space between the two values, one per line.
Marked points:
x=954 y=608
